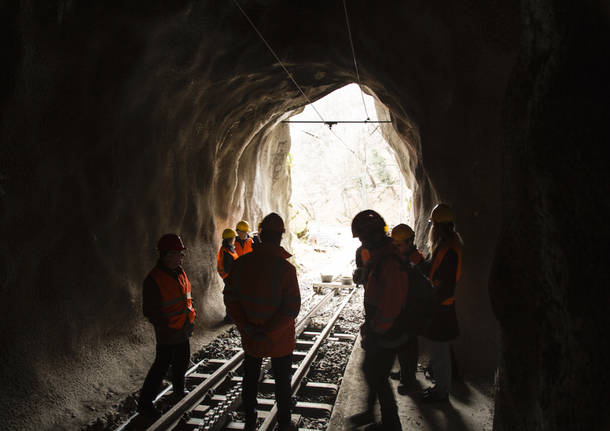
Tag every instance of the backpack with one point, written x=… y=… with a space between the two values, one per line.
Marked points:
x=418 y=310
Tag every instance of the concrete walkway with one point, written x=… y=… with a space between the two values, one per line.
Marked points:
x=468 y=409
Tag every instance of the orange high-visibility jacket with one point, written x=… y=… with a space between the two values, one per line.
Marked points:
x=385 y=292
x=221 y=265
x=176 y=301
x=438 y=259
x=243 y=247
x=262 y=291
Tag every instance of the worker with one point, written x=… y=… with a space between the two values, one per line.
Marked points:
x=225 y=258
x=255 y=236
x=243 y=242
x=262 y=295
x=445 y=245
x=403 y=237
x=168 y=305
x=385 y=294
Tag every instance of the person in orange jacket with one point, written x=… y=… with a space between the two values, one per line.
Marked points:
x=403 y=236
x=225 y=258
x=243 y=241
x=226 y=254
x=168 y=305
x=385 y=294
x=445 y=262
x=262 y=295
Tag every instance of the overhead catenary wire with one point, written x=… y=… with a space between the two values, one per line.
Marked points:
x=333 y=122
x=277 y=58
x=351 y=42
x=296 y=84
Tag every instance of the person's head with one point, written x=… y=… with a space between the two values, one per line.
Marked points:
x=242 y=228
x=228 y=237
x=442 y=219
x=171 y=250
x=402 y=237
x=271 y=229
x=370 y=228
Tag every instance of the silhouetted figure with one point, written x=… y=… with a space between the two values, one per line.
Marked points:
x=167 y=304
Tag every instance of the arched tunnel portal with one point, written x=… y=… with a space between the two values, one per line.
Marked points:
x=121 y=123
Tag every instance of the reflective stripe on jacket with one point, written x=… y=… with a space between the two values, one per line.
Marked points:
x=221 y=266
x=176 y=302
x=385 y=292
x=243 y=247
x=262 y=291
x=436 y=262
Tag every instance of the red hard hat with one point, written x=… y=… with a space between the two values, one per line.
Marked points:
x=367 y=221
x=273 y=222
x=170 y=241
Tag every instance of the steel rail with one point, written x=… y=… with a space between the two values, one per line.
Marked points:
x=169 y=419
x=191 y=370
x=302 y=324
x=297 y=378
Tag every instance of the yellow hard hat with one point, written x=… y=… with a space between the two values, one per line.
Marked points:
x=402 y=232
x=228 y=233
x=442 y=213
x=243 y=226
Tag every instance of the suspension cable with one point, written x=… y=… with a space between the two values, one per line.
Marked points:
x=329 y=124
x=278 y=59
x=351 y=42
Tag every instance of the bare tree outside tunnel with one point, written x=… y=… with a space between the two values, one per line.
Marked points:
x=337 y=173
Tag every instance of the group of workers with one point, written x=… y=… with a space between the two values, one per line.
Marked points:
x=262 y=298
x=235 y=243
x=391 y=270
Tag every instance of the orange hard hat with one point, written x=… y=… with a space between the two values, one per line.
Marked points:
x=170 y=241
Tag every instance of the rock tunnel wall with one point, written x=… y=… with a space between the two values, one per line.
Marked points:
x=120 y=123
x=550 y=275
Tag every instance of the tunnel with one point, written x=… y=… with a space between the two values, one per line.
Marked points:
x=121 y=122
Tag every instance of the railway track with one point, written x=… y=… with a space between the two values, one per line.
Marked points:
x=215 y=396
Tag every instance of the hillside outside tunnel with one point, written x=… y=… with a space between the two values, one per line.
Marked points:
x=120 y=124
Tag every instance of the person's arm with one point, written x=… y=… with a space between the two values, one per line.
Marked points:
x=151 y=302
x=445 y=274
x=227 y=262
x=290 y=304
x=232 y=300
x=360 y=274
x=359 y=262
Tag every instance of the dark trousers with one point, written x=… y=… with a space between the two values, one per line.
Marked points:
x=376 y=367
x=282 y=373
x=176 y=355
x=407 y=358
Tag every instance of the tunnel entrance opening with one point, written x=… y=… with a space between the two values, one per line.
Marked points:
x=337 y=171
